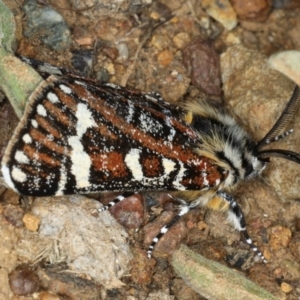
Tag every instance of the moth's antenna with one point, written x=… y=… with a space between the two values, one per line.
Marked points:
x=286 y=154
x=285 y=118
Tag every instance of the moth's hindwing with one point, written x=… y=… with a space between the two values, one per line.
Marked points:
x=81 y=137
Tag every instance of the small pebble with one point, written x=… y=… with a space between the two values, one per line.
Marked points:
x=288 y=63
x=181 y=40
x=23 y=281
x=280 y=237
x=222 y=11
x=159 y=42
x=130 y=212
x=123 y=51
x=48 y=24
x=203 y=63
x=165 y=58
x=31 y=222
x=252 y=10
x=111 y=52
x=48 y=296
x=13 y=214
x=286 y=288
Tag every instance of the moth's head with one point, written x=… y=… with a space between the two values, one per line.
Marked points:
x=242 y=161
x=230 y=147
x=257 y=165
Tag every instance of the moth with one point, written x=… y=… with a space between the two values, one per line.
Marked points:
x=81 y=136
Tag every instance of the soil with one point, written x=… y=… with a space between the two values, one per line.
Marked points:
x=174 y=49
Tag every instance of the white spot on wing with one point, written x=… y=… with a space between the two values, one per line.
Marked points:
x=65 y=89
x=27 y=138
x=63 y=179
x=169 y=165
x=149 y=125
x=7 y=178
x=41 y=110
x=81 y=162
x=205 y=181
x=131 y=111
x=52 y=97
x=132 y=162
x=85 y=119
x=172 y=130
x=179 y=177
x=21 y=158
x=18 y=175
x=34 y=123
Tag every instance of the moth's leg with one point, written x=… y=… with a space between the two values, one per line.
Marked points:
x=236 y=217
x=116 y=200
x=154 y=96
x=46 y=69
x=184 y=208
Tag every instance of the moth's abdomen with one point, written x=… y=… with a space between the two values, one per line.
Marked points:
x=76 y=137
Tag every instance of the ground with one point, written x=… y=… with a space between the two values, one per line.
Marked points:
x=177 y=49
